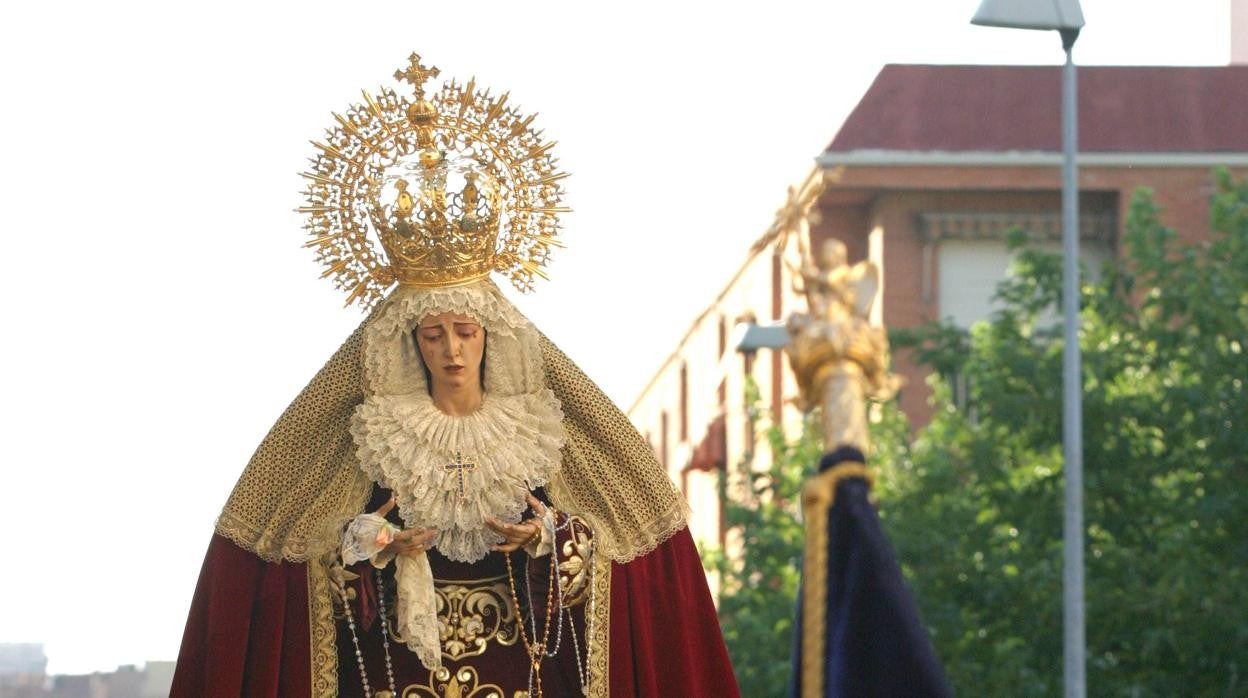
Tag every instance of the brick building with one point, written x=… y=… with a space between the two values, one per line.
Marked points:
x=937 y=162
x=924 y=178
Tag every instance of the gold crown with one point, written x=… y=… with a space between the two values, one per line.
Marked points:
x=453 y=187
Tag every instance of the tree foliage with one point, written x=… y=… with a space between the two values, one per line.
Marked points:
x=973 y=500
x=760 y=574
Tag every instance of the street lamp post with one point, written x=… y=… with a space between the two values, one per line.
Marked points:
x=1065 y=17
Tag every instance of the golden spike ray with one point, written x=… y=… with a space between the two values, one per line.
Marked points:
x=549 y=179
x=495 y=110
x=320 y=241
x=533 y=268
x=330 y=150
x=336 y=267
x=548 y=240
x=377 y=112
x=350 y=127
x=322 y=179
x=544 y=209
x=466 y=99
x=541 y=150
x=519 y=127
x=360 y=289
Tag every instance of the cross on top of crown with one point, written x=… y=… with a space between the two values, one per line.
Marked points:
x=416 y=74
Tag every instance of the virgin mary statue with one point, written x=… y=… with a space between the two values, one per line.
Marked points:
x=450 y=508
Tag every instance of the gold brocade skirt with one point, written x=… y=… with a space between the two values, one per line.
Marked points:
x=481 y=629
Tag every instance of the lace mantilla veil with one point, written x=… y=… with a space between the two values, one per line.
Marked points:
x=305 y=478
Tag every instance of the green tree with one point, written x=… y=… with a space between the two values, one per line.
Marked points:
x=973 y=502
x=759 y=579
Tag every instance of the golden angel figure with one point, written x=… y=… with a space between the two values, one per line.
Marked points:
x=838 y=357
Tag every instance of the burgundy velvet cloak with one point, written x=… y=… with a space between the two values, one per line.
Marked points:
x=248 y=631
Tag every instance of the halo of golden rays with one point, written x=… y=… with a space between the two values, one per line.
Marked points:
x=471 y=123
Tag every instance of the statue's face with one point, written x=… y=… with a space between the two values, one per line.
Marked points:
x=452 y=346
x=833 y=254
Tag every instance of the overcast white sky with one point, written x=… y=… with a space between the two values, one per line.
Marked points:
x=160 y=313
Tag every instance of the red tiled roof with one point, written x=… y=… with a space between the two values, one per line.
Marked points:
x=1018 y=108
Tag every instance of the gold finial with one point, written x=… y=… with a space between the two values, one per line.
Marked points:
x=416 y=74
x=839 y=359
x=422 y=113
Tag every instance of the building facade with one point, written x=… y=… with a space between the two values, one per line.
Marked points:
x=925 y=178
x=23 y=674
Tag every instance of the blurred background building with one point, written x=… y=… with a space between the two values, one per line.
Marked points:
x=925 y=178
x=23 y=675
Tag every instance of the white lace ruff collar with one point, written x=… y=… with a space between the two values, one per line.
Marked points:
x=512 y=444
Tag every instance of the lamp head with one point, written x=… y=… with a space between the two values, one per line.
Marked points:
x=1060 y=15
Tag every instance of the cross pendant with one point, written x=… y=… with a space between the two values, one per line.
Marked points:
x=459 y=466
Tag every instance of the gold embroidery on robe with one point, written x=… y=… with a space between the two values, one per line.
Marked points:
x=321 y=626
x=461 y=683
x=471 y=614
x=469 y=617
x=575 y=565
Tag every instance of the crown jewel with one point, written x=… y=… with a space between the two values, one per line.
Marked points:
x=453 y=187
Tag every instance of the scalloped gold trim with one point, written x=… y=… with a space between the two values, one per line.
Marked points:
x=322 y=632
x=598 y=630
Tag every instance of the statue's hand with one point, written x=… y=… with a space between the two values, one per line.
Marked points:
x=411 y=542
x=520 y=534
